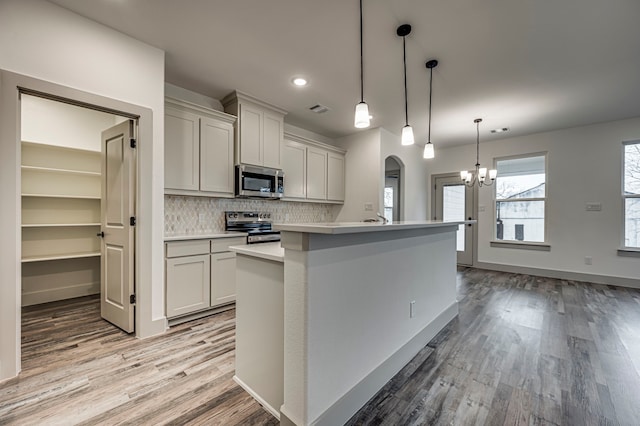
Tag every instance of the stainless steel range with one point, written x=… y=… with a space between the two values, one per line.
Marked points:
x=256 y=224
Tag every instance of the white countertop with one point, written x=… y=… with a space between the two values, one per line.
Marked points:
x=211 y=236
x=269 y=251
x=359 y=227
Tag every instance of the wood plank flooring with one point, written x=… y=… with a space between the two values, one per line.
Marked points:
x=524 y=350
x=79 y=369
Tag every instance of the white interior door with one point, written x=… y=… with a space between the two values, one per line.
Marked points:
x=118 y=209
x=453 y=200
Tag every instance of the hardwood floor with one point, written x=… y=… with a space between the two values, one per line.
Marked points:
x=79 y=369
x=524 y=350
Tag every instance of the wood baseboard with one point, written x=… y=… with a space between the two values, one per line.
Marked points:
x=562 y=275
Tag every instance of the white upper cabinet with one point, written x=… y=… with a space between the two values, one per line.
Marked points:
x=313 y=171
x=259 y=130
x=316 y=174
x=294 y=164
x=198 y=154
x=216 y=156
x=181 y=150
x=335 y=176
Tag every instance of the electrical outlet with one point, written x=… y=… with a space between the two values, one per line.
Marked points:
x=588 y=260
x=286 y=217
x=593 y=207
x=368 y=207
x=201 y=217
x=412 y=309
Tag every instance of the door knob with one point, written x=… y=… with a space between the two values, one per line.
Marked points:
x=100 y=234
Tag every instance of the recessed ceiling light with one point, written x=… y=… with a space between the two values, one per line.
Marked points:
x=500 y=130
x=299 y=81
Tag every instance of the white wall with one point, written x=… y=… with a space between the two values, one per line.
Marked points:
x=363 y=181
x=60 y=124
x=44 y=41
x=584 y=165
x=415 y=185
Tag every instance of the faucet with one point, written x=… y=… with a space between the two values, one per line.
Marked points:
x=384 y=219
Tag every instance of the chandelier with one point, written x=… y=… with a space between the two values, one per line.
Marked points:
x=480 y=174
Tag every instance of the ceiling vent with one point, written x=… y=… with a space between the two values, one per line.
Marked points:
x=319 y=109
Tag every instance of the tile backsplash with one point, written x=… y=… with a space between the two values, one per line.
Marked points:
x=202 y=215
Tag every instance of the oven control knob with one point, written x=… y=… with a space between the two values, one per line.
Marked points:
x=268 y=215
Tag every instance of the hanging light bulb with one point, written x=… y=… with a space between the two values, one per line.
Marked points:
x=407 y=135
x=428 y=148
x=407 y=131
x=362 y=118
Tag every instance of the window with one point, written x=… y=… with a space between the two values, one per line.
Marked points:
x=631 y=194
x=520 y=198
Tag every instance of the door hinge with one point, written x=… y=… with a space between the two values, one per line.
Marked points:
x=132 y=299
x=133 y=143
x=132 y=221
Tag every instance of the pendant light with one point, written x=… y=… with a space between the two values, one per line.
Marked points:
x=407 y=132
x=428 y=148
x=480 y=176
x=362 y=109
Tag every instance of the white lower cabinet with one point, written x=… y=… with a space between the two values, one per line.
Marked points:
x=223 y=278
x=200 y=274
x=188 y=284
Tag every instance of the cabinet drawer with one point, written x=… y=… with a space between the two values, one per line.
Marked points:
x=187 y=248
x=222 y=244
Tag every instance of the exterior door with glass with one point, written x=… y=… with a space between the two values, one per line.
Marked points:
x=453 y=200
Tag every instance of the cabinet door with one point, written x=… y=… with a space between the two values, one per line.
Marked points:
x=335 y=177
x=250 y=135
x=181 y=150
x=272 y=140
x=188 y=288
x=316 y=174
x=223 y=278
x=216 y=156
x=294 y=164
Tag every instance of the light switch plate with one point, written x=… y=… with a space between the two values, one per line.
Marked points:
x=368 y=207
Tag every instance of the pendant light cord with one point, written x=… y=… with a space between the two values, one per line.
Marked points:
x=404 y=61
x=361 y=61
x=430 y=94
x=477 y=144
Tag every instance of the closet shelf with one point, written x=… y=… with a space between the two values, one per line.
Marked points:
x=29 y=259
x=57 y=225
x=85 y=197
x=62 y=171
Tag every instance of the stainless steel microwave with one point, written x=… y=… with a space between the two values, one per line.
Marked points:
x=259 y=182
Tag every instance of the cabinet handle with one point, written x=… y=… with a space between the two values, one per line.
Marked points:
x=100 y=234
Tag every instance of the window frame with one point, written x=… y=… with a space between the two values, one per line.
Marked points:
x=624 y=247
x=533 y=245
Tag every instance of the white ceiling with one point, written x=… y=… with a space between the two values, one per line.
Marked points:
x=530 y=65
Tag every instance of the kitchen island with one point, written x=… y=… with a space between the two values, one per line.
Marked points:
x=359 y=300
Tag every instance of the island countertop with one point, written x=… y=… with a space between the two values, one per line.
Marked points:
x=360 y=227
x=270 y=251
